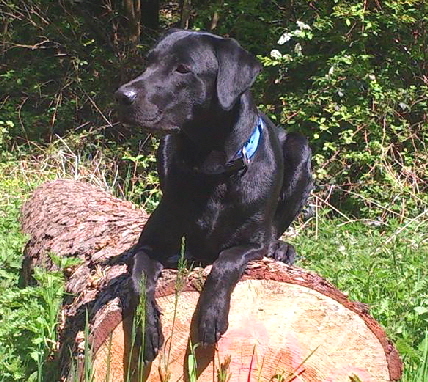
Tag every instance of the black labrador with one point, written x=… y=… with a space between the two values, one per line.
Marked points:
x=232 y=182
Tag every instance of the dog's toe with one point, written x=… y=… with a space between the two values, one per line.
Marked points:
x=282 y=251
x=209 y=331
x=212 y=325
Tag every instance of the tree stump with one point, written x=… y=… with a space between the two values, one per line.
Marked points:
x=285 y=323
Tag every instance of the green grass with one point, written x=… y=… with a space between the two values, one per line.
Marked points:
x=384 y=266
x=28 y=315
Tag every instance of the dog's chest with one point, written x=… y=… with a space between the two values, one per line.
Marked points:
x=216 y=204
x=220 y=213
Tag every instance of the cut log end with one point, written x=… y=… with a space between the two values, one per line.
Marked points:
x=285 y=323
x=290 y=325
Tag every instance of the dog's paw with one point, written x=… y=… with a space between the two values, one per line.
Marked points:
x=212 y=322
x=282 y=251
x=149 y=337
x=153 y=341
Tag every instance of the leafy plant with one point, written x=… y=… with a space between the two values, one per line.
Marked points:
x=337 y=72
x=192 y=364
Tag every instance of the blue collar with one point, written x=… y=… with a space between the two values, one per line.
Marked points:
x=250 y=147
x=239 y=163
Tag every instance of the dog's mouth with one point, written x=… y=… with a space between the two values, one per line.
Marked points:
x=161 y=130
x=127 y=115
x=153 y=124
x=149 y=121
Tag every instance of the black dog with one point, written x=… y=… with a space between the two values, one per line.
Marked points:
x=232 y=182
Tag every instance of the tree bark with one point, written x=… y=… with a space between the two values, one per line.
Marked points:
x=285 y=323
x=185 y=13
x=133 y=15
x=150 y=14
x=216 y=17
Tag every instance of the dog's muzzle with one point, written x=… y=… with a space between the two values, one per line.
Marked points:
x=125 y=96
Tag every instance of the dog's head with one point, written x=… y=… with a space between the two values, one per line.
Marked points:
x=188 y=74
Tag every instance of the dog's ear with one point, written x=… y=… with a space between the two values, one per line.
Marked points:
x=237 y=70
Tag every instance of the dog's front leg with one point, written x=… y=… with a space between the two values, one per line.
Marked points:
x=159 y=241
x=144 y=277
x=214 y=302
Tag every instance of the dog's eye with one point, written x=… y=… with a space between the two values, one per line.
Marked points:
x=183 y=69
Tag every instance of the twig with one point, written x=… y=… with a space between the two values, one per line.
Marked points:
x=401 y=229
x=97 y=108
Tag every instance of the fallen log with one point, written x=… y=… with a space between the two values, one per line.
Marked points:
x=285 y=323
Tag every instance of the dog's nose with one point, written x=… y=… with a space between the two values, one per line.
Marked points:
x=126 y=96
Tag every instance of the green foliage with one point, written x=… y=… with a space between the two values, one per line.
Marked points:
x=350 y=75
x=192 y=363
x=255 y=23
x=61 y=67
x=422 y=370
x=28 y=316
x=355 y=85
x=141 y=183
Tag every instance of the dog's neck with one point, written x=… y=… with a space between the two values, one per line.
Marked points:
x=223 y=131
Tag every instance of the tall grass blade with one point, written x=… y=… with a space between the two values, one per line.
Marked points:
x=89 y=372
x=107 y=378
x=422 y=375
x=192 y=364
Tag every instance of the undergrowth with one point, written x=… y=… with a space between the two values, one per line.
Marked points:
x=28 y=315
x=379 y=262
